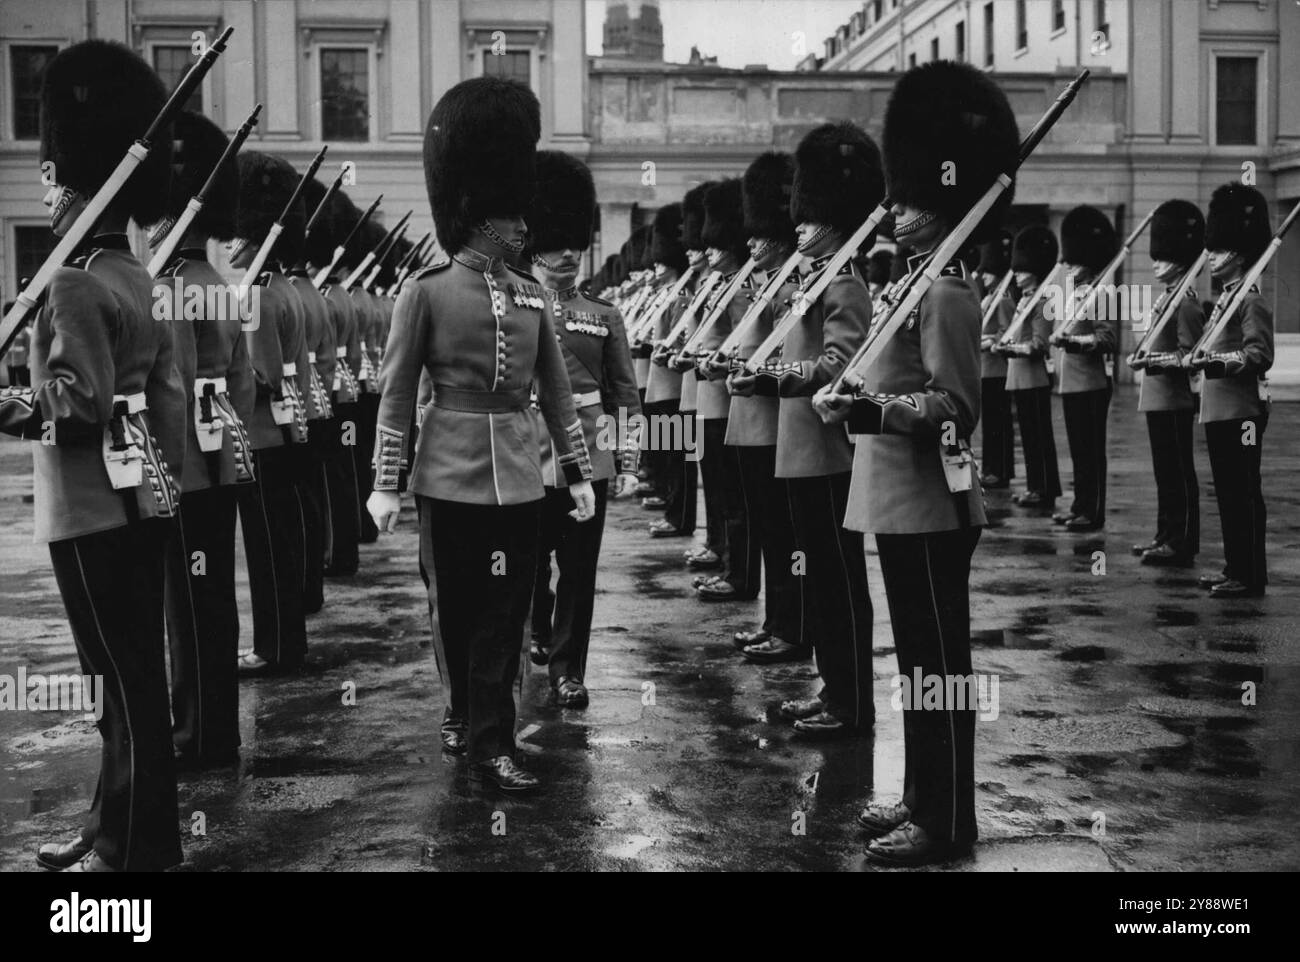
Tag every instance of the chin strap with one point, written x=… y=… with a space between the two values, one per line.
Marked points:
x=495 y=237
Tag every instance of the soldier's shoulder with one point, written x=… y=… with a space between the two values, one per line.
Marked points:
x=440 y=262
x=520 y=272
x=599 y=301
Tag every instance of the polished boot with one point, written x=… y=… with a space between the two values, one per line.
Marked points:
x=504 y=775
x=56 y=856
x=911 y=845
x=454 y=734
x=881 y=818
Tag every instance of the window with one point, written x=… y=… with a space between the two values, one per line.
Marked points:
x=961 y=42
x=1236 y=90
x=911 y=60
x=1022 y=28
x=26 y=67
x=1101 y=21
x=345 y=93
x=511 y=64
x=877 y=10
x=32 y=244
x=988 y=34
x=934 y=49
x=1058 y=15
x=172 y=63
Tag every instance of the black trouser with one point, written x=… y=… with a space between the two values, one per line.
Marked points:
x=1085 y=428
x=1178 y=509
x=927 y=582
x=743 y=561
x=715 y=475
x=1235 y=466
x=367 y=421
x=999 y=434
x=679 y=470
x=653 y=471
x=771 y=526
x=1034 y=411
x=481 y=561
x=315 y=528
x=562 y=620
x=20 y=375
x=341 y=490
x=835 y=579
x=271 y=518
x=203 y=625
x=112 y=588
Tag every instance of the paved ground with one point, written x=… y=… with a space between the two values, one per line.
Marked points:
x=1120 y=696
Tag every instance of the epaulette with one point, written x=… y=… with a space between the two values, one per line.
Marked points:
x=263 y=279
x=441 y=260
x=954 y=268
x=82 y=260
x=173 y=267
x=599 y=300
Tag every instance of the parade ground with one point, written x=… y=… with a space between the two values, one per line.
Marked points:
x=1132 y=722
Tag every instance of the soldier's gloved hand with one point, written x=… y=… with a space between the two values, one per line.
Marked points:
x=385 y=507
x=987 y=343
x=584 y=499
x=742 y=385
x=1080 y=343
x=681 y=363
x=832 y=406
x=625 y=484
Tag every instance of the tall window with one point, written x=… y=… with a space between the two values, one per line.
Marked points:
x=961 y=42
x=1236 y=90
x=911 y=60
x=172 y=63
x=345 y=93
x=988 y=34
x=877 y=10
x=1058 y=15
x=27 y=66
x=1022 y=27
x=31 y=246
x=511 y=64
x=934 y=49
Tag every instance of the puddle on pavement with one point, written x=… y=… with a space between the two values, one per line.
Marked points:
x=41 y=800
x=1008 y=638
x=1176 y=617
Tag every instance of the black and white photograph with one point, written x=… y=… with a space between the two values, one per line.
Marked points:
x=607 y=436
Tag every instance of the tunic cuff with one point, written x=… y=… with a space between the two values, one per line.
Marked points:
x=576 y=462
x=389 y=460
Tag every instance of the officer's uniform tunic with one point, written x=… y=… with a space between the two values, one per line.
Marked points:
x=1234 y=410
x=1031 y=388
x=926 y=382
x=816 y=459
x=590 y=332
x=202 y=614
x=484 y=332
x=1165 y=396
x=102 y=372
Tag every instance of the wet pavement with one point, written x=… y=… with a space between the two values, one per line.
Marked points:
x=1121 y=741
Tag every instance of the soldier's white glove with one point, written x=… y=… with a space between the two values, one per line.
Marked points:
x=625 y=484
x=385 y=507
x=585 y=500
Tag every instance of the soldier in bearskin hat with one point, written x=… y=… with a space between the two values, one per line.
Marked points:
x=369 y=322
x=1033 y=257
x=1165 y=393
x=668 y=261
x=926 y=384
x=1084 y=346
x=838 y=182
x=269 y=509
x=108 y=407
x=1234 y=394
x=594 y=342
x=477 y=470
x=726 y=517
x=999 y=443
x=752 y=427
x=202 y=616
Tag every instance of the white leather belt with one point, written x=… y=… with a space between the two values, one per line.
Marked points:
x=201 y=385
x=135 y=403
x=290 y=370
x=341 y=353
x=311 y=357
x=586 y=400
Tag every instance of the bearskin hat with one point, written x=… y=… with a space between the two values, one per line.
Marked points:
x=480 y=149
x=995 y=254
x=265 y=185
x=666 y=238
x=724 y=219
x=1238 y=221
x=97 y=99
x=564 y=209
x=1035 y=250
x=1177 y=232
x=878 y=265
x=198 y=144
x=949 y=132
x=693 y=216
x=766 y=189
x=837 y=177
x=1088 y=238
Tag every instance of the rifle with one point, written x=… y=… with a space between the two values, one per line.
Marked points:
x=657 y=305
x=413 y=257
x=922 y=280
x=711 y=319
x=1138 y=359
x=263 y=252
x=1104 y=279
x=998 y=293
x=1248 y=281
x=1023 y=313
x=26 y=301
x=324 y=202
x=323 y=275
x=381 y=257
x=760 y=304
x=351 y=280
x=174 y=236
x=708 y=283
